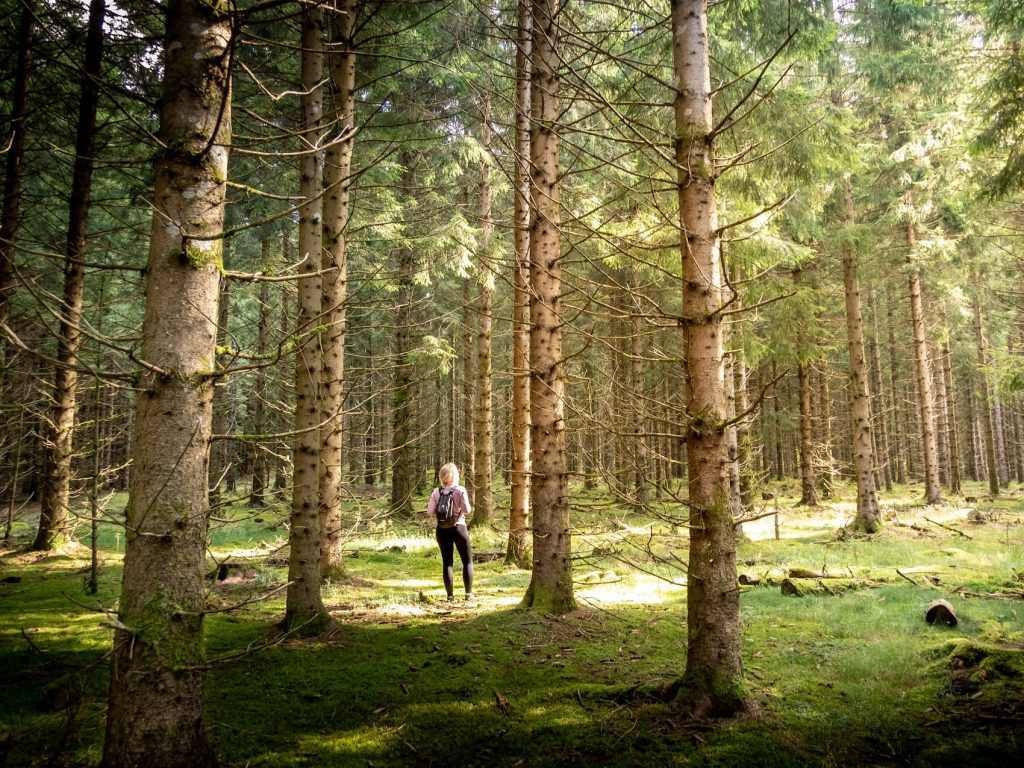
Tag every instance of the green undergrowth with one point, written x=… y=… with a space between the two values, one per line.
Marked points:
x=406 y=679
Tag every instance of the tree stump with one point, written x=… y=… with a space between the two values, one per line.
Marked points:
x=940 y=612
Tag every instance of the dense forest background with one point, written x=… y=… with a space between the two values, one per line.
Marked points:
x=283 y=260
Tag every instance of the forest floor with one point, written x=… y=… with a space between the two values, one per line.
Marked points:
x=848 y=675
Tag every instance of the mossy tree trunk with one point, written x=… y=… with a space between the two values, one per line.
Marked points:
x=712 y=683
x=519 y=511
x=54 y=501
x=334 y=286
x=155 y=706
x=304 y=608
x=550 y=589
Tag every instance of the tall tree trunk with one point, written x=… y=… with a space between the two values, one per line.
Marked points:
x=404 y=459
x=712 y=683
x=972 y=450
x=743 y=458
x=519 y=510
x=483 y=501
x=15 y=150
x=334 y=285
x=304 y=609
x=942 y=420
x=54 y=502
x=778 y=462
x=985 y=406
x=285 y=371
x=469 y=389
x=828 y=477
x=899 y=437
x=808 y=486
x=867 y=518
x=1018 y=439
x=954 y=448
x=258 y=487
x=550 y=589
x=925 y=396
x=638 y=409
x=220 y=460
x=880 y=415
x=732 y=437
x=155 y=707
x=999 y=431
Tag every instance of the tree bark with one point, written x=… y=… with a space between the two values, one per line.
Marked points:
x=304 y=609
x=925 y=395
x=867 y=518
x=15 y=150
x=220 y=458
x=469 y=389
x=550 y=589
x=972 y=451
x=988 y=428
x=638 y=408
x=483 y=502
x=155 y=706
x=880 y=415
x=828 y=477
x=712 y=683
x=519 y=510
x=258 y=486
x=954 y=448
x=404 y=461
x=334 y=284
x=55 y=499
x=743 y=458
x=808 y=486
x=899 y=437
x=999 y=431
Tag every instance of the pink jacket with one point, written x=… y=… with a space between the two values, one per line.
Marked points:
x=461 y=500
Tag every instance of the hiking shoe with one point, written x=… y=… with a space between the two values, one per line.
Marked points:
x=450 y=598
x=470 y=596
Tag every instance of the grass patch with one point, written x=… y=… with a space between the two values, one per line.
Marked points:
x=408 y=680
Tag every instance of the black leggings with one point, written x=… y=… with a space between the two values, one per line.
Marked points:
x=449 y=539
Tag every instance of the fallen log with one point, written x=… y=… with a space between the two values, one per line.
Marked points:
x=804 y=573
x=940 y=612
x=831 y=586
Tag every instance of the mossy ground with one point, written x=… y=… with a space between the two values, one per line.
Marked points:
x=407 y=680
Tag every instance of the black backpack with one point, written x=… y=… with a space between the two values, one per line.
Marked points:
x=445 y=509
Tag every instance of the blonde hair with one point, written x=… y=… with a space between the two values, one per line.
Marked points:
x=448 y=474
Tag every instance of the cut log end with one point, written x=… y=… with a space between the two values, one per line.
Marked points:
x=940 y=612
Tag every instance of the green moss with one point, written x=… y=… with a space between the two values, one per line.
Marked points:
x=173 y=634
x=200 y=254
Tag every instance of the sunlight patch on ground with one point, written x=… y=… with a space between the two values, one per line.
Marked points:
x=798 y=522
x=638 y=589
